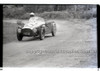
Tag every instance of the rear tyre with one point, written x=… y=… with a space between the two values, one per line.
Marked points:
x=42 y=33
x=54 y=30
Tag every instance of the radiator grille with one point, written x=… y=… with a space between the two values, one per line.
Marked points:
x=27 y=31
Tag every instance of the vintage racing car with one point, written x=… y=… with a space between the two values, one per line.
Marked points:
x=28 y=29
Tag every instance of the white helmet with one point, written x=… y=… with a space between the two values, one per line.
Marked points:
x=32 y=14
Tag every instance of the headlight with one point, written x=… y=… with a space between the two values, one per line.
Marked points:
x=34 y=30
x=19 y=30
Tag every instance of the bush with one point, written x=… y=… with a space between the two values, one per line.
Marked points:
x=69 y=14
x=89 y=14
x=20 y=13
x=55 y=15
x=25 y=16
x=13 y=12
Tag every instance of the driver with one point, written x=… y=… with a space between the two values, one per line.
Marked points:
x=36 y=21
x=32 y=18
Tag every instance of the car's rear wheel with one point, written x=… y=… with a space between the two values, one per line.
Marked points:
x=19 y=36
x=42 y=33
x=54 y=30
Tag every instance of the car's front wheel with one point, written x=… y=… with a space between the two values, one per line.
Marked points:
x=42 y=33
x=19 y=36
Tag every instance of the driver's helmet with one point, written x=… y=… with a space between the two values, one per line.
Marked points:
x=32 y=14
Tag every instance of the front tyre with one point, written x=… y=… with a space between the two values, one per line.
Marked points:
x=19 y=36
x=42 y=33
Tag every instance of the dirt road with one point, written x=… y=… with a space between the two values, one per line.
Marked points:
x=73 y=46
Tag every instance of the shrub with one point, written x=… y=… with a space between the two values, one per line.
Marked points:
x=20 y=13
x=13 y=12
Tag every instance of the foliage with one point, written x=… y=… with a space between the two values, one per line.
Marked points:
x=50 y=11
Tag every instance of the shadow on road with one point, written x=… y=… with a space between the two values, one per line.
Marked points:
x=35 y=38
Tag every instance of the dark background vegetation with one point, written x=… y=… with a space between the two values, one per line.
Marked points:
x=50 y=11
